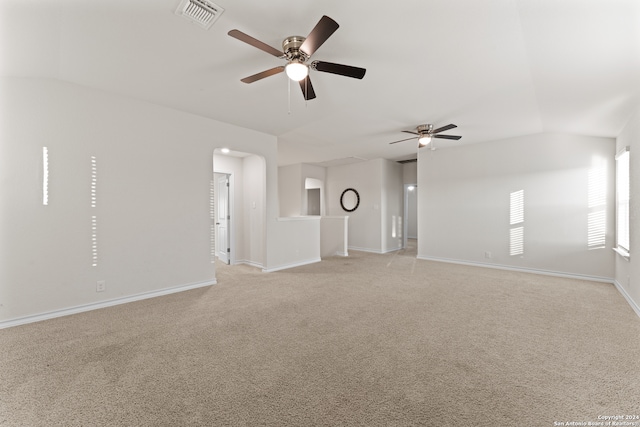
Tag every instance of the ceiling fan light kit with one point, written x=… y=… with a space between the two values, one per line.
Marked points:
x=423 y=141
x=296 y=70
x=425 y=135
x=297 y=50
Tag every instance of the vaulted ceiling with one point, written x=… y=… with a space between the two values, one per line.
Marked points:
x=496 y=68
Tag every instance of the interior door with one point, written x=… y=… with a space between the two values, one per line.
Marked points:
x=223 y=247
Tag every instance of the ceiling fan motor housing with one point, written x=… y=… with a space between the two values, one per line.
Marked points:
x=291 y=48
x=422 y=129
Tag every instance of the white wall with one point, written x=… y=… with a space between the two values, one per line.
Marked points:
x=392 y=207
x=254 y=210
x=333 y=239
x=365 y=222
x=153 y=219
x=290 y=188
x=319 y=175
x=412 y=213
x=410 y=173
x=297 y=238
x=627 y=273
x=379 y=183
x=464 y=193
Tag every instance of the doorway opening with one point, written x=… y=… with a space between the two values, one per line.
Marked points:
x=222 y=182
x=314 y=195
x=313 y=201
x=238 y=208
x=410 y=236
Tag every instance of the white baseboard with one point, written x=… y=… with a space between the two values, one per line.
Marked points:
x=618 y=286
x=249 y=263
x=626 y=296
x=287 y=266
x=102 y=304
x=336 y=253
x=522 y=269
x=373 y=251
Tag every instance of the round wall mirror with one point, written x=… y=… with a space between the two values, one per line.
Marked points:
x=349 y=200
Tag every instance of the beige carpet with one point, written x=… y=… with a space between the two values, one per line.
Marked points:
x=368 y=340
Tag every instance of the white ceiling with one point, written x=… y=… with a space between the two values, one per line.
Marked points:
x=496 y=68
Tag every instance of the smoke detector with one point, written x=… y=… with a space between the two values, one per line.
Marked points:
x=202 y=12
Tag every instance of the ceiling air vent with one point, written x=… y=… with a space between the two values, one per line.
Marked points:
x=202 y=12
x=402 y=162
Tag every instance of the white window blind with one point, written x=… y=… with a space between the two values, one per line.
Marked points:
x=212 y=217
x=94 y=181
x=516 y=218
x=516 y=207
x=622 y=200
x=597 y=203
x=94 y=217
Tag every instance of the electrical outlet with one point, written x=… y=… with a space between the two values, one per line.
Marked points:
x=488 y=255
x=101 y=286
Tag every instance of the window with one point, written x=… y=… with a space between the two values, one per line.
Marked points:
x=94 y=217
x=516 y=221
x=622 y=202
x=212 y=217
x=597 y=203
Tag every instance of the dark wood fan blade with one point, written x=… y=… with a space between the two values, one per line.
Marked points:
x=237 y=34
x=307 y=88
x=320 y=33
x=402 y=140
x=443 y=128
x=263 y=74
x=343 y=70
x=408 y=131
x=447 y=137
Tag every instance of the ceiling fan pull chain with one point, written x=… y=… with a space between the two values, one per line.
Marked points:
x=289 y=94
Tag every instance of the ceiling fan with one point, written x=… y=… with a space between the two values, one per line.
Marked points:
x=297 y=50
x=425 y=133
